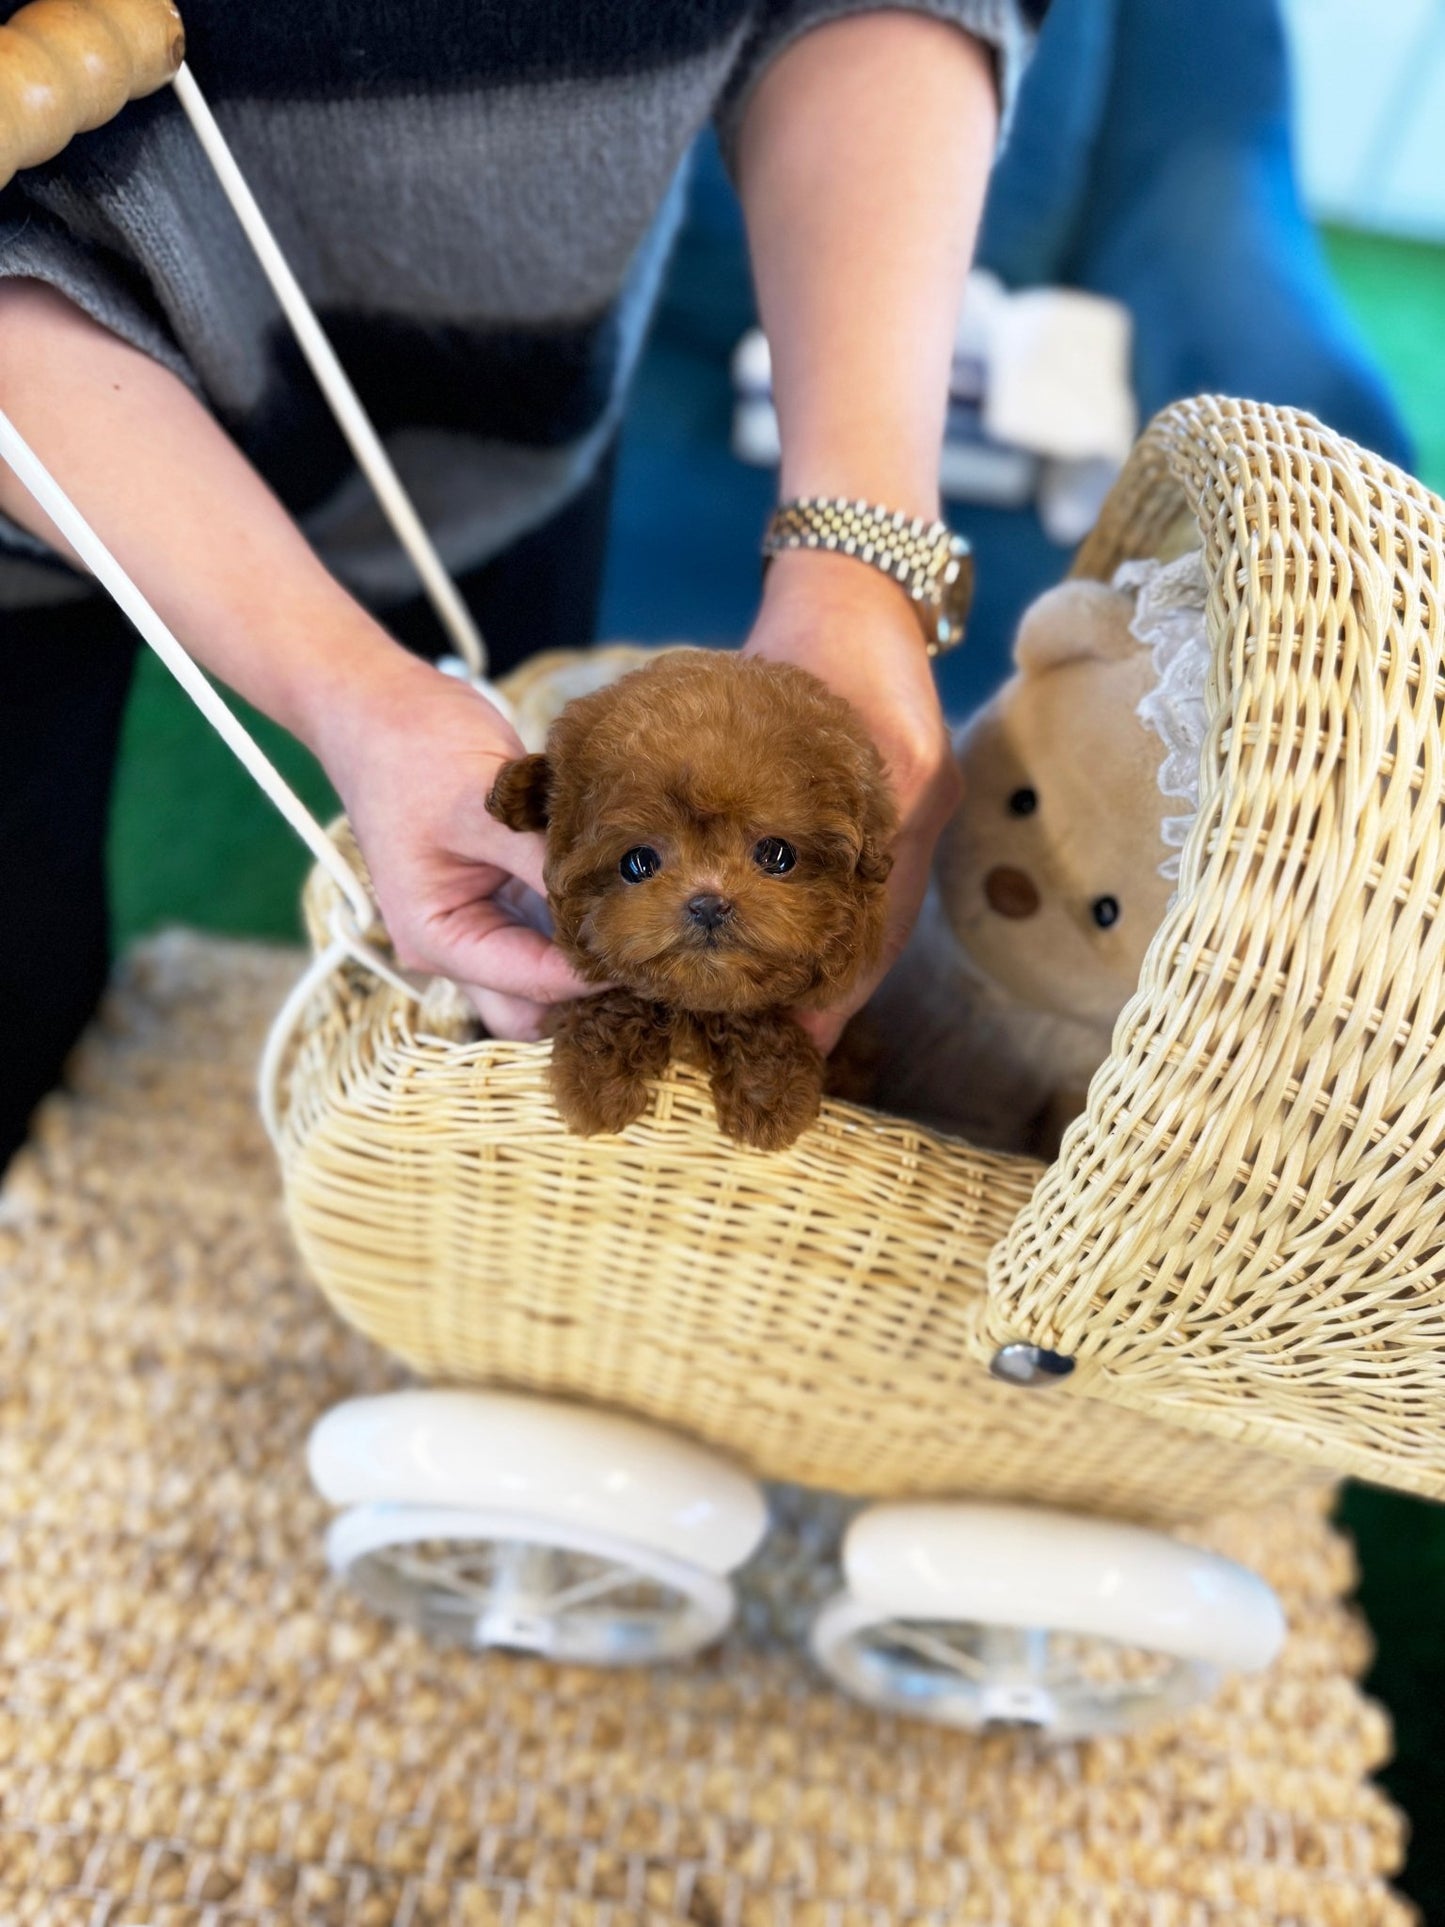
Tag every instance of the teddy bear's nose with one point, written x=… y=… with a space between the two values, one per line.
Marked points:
x=1012 y=893
x=708 y=910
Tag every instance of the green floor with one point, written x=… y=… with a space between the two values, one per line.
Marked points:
x=193 y=843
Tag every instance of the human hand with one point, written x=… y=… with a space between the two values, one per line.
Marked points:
x=855 y=630
x=413 y=755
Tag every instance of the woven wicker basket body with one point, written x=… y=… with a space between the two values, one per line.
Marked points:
x=1240 y=1242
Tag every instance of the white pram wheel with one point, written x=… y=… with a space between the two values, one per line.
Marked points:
x=969 y=1674
x=494 y=1519
x=977 y=1615
x=527 y=1584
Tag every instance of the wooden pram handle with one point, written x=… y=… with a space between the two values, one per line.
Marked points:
x=69 y=65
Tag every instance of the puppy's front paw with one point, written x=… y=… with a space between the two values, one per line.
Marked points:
x=767 y=1080
x=590 y=1103
x=605 y=1052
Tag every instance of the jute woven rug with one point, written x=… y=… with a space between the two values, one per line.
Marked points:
x=197 y=1726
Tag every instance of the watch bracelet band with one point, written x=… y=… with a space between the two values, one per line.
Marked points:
x=926 y=559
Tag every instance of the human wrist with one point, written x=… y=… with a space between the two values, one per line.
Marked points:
x=927 y=562
x=838 y=610
x=355 y=684
x=841 y=585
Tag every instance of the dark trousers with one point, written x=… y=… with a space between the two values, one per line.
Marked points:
x=64 y=676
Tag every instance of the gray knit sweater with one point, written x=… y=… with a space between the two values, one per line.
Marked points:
x=479 y=197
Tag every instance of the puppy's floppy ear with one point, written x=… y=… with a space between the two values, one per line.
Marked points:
x=519 y=796
x=875 y=861
x=878 y=824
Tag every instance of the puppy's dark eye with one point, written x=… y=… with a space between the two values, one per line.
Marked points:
x=1105 y=911
x=640 y=864
x=1023 y=802
x=774 y=857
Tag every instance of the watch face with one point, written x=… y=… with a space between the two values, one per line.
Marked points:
x=956 y=597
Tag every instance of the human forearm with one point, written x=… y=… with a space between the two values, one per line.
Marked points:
x=411 y=752
x=187 y=515
x=862 y=162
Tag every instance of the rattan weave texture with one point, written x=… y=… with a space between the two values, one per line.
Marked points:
x=1246 y=1232
x=810 y=1311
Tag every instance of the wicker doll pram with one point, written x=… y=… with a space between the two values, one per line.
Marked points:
x=1241 y=1238
x=1230 y=1284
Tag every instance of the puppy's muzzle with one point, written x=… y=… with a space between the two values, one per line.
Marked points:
x=708 y=912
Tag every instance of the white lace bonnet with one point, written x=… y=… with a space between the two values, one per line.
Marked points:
x=1169 y=599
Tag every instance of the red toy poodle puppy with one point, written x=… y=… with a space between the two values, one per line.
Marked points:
x=717 y=845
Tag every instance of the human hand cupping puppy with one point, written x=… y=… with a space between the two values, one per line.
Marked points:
x=854 y=630
x=413 y=758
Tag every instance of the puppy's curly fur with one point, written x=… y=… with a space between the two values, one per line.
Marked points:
x=717 y=846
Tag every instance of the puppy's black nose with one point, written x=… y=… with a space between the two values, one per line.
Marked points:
x=708 y=911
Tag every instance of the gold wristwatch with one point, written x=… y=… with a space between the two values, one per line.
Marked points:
x=932 y=565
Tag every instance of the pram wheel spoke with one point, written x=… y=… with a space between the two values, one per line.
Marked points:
x=478 y=1579
x=974 y=1676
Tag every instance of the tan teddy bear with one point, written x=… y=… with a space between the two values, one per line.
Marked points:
x=1048 y=883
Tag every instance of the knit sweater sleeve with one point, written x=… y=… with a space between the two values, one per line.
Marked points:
x=72 y=222
x=1006 y=26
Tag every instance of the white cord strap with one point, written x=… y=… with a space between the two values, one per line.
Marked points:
x=365 y=443
x=351 y=417
x=346 y=943
x=18 y=454
x=372 y=458
x=283 y=1028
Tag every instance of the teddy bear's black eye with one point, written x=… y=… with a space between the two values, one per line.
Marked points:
x=640 y=864
x=1023 y=802
x=1105 y=911
x=773 y=856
